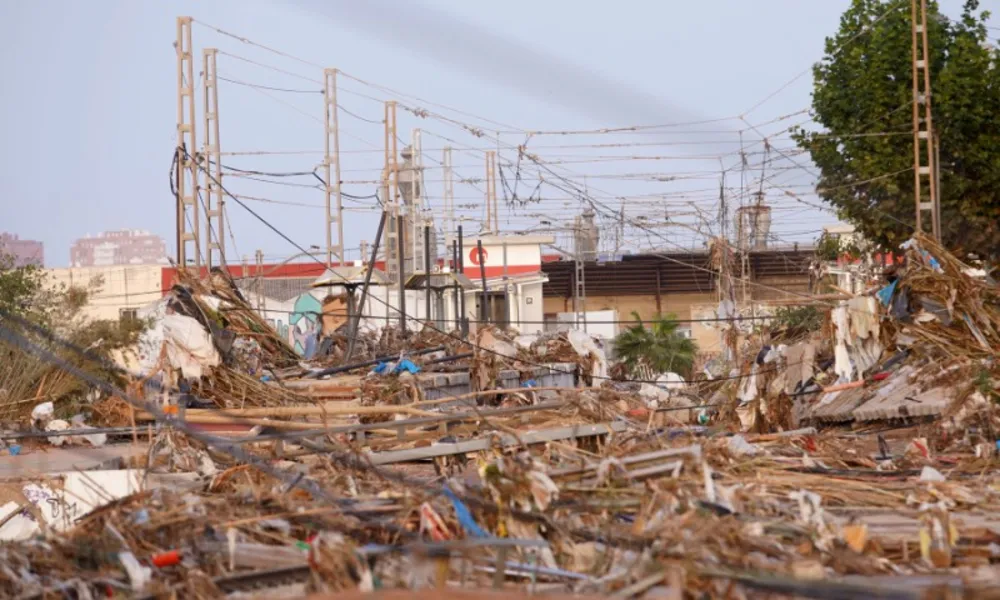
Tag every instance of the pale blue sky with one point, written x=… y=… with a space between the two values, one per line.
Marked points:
x=89 y=95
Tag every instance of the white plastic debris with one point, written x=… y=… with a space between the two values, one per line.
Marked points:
x=584 y=344
x=94 y=439
x=670 y=382
x=43 y=412
x=138 y=574
x=543 y=489
x=189 y=346
x=526 y=341
x=654 y=396
x=931 y=474
x=740 y=447
x=58 y=425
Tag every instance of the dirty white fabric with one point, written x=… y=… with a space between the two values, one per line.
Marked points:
x=189 y=346
x=584 y=344
x=842 y=363
x=670 y=382
x=739 y=446
x=526 y=341
x=43 y=412
x=748 y=387
x=863 y=312
x=841 y=323
x=151 y=340
x=801 y=359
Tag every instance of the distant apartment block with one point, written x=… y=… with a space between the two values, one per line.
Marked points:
x=25 y=252
x=127 y=247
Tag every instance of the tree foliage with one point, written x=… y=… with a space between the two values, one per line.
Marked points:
x=794 y=321
x=21 y=289
x=660 y=346
x=862 y=100
x=24 y=379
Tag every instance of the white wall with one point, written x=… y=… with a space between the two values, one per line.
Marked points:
x=601 y=323
x=531 y=307
x=123 y=287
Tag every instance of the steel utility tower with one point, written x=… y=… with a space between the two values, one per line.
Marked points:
x=929 y=206
x=416 y=208
x=212 y=155
x=331 y=156
x=390 y=175
x=492 y=210
x=187 y=165
x=449 y=191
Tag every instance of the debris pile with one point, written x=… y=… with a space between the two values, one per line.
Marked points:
x=515 y=463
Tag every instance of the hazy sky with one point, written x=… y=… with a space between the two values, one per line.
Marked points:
x=89 y=94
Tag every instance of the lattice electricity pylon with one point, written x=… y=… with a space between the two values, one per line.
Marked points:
x=187 y=149
x=212 y=167
x=928 y=206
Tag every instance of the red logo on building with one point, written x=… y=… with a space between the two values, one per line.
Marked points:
x=474 y=256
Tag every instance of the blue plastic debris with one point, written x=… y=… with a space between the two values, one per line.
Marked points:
x=406 y=365
x=265 y=378
x=381 y=368
x=885 y=294
x=465 y=517
x=15 y=449
x=530 y=383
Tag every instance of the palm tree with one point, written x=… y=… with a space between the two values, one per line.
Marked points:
x=660 y=347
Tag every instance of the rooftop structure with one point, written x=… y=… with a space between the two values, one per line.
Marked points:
x=24 y=252
x=126 y=247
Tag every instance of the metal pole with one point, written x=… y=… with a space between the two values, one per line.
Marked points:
x=461 y=269
x=457 y=288
x=427 y=272
x=214 y=201
x=259 y=255
x=352 y=332
x=506 y=295
x=486 y=193
x=484 y=316
x=331 y=157
x=493 y=192
x=402 y=283
x=187 y=181
x=415 y=209
x=449 y=191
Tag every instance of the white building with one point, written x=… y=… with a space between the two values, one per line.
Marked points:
x=116 y=290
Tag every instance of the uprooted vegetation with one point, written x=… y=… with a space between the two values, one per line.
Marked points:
x=26 y=299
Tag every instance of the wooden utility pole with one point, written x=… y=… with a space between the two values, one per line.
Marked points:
x=212 y=155
x=928 y=208
x=331 y=156
x=187 y=148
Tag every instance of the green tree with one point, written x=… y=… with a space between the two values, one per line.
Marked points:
x=862 y=101
x=26 y=380
x=21 y=289
x=660 y=346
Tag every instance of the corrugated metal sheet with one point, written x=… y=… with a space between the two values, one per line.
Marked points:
x=282 y=290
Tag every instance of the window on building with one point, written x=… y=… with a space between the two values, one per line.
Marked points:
x=127 y=314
